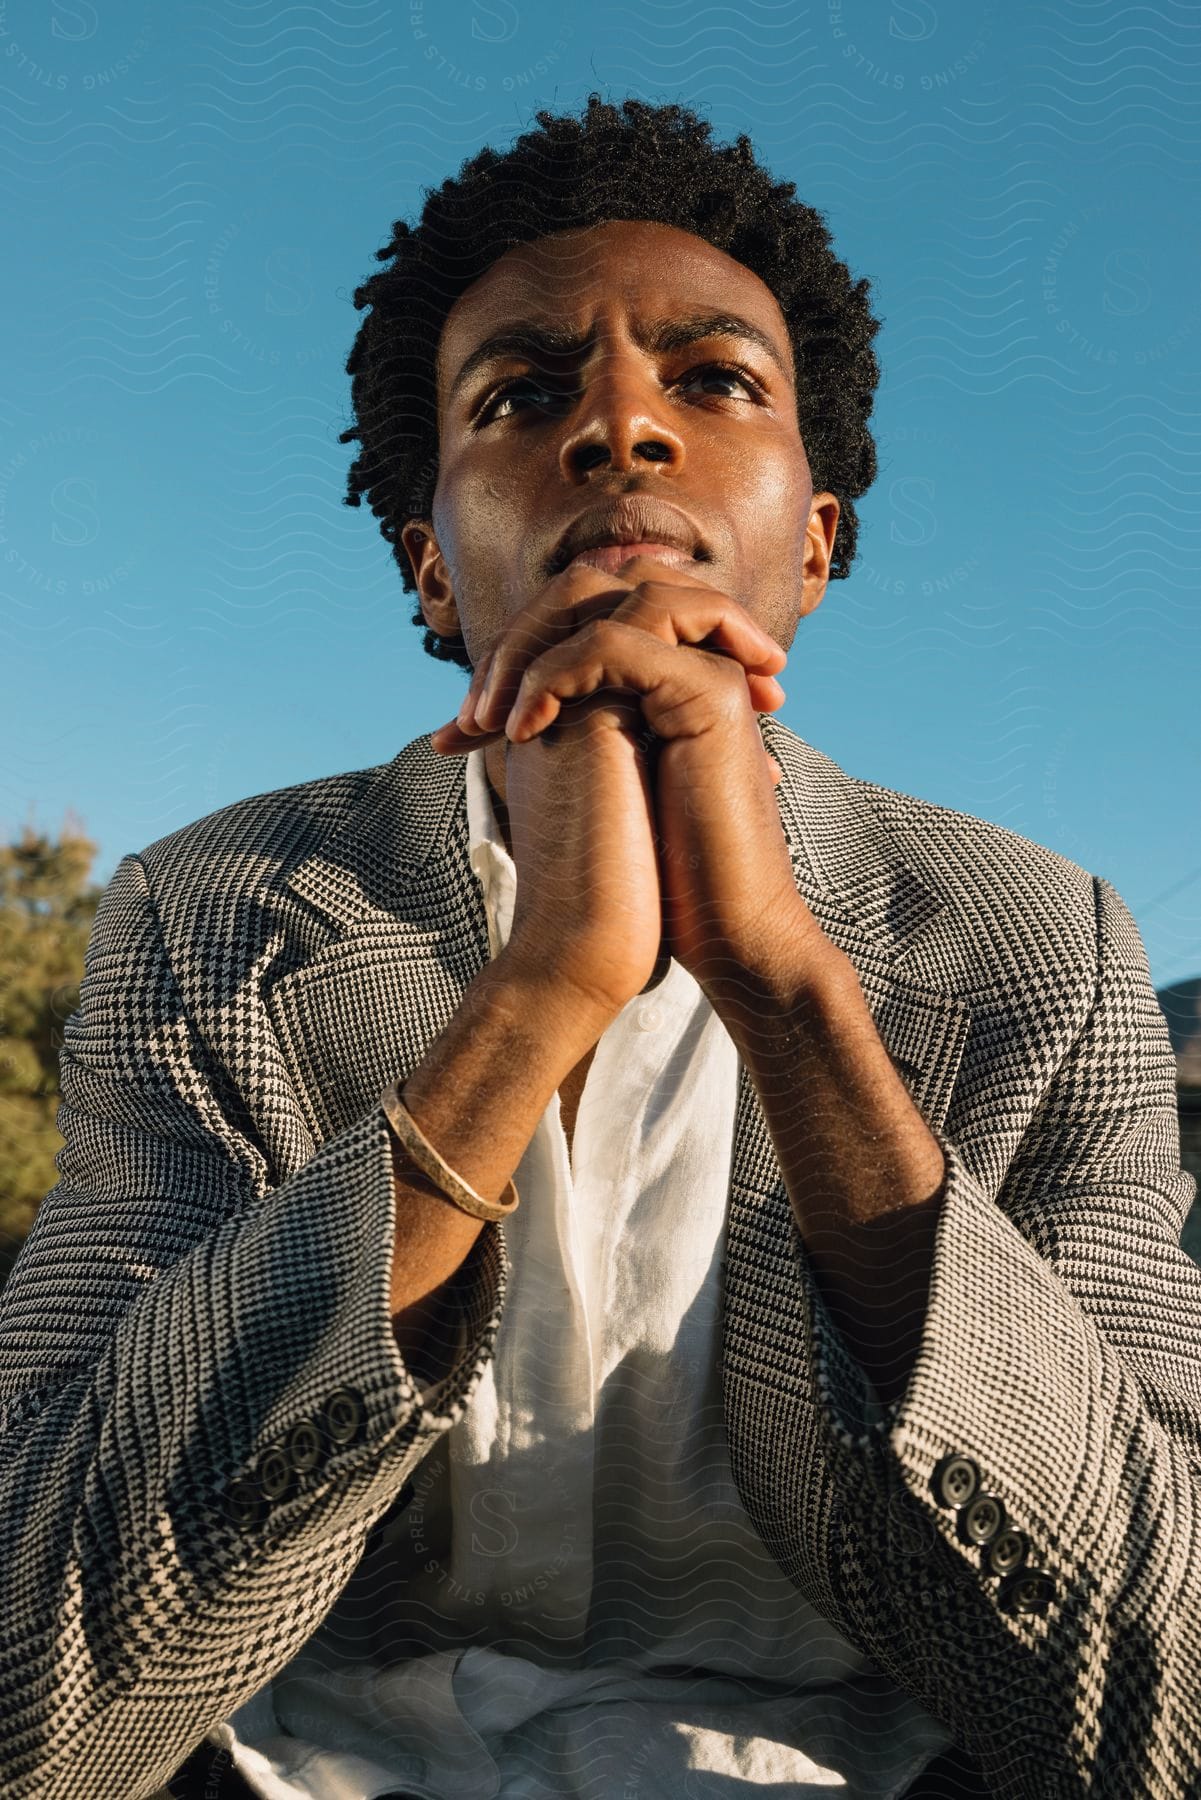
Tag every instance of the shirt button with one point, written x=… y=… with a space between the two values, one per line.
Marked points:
x=650 y=1018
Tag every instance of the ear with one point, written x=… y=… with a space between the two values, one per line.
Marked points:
x=434 y=587
x=819 y=550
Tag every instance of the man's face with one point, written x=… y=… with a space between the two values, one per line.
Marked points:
x=606 y=380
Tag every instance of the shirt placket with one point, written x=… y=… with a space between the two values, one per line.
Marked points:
x=629 y=1058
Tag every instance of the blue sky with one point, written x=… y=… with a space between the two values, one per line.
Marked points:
x=190 y=614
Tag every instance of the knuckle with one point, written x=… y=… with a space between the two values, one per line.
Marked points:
x=733 y=698
x=523 y=647
x=726 y=670
x=582 y=576
x=658 y=594
x=604 y=631
x=649 y=607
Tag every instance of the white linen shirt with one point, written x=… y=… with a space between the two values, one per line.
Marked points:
x=576 y=1606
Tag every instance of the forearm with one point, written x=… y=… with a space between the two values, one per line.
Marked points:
x=863 y=1170
x=477 y=1095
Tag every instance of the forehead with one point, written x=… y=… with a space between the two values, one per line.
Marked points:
x=631 y=269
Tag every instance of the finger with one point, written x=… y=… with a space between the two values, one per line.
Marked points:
x=677 y=611
x=695 y=614
x=766 y=693
x=735 y=630
x=448 y=739
x=461 y=734
x=479 y=675
x=686 y=612
x=684 y=691
x=456 y=739
x=661 y=594
x=565 y=603
x=452 y=740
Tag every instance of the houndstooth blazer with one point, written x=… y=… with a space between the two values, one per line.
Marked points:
x=210 y=1277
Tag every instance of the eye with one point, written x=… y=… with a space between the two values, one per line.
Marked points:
x=527 y=393
x=516 y=395
x=728 y=373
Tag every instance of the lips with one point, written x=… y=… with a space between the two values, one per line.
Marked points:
x=610 y=557
x=607 y=535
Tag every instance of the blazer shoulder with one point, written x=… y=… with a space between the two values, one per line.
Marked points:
x=996 y=871
x=256 y=841
x=993 y=905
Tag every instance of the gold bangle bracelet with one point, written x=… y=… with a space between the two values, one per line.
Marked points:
x=404 y=1128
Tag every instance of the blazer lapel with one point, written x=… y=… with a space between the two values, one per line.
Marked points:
x=876 y=910
x=406 y=931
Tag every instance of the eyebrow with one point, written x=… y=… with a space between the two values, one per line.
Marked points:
x=530 y=339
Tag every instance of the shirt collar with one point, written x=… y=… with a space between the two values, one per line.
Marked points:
x=494 y=867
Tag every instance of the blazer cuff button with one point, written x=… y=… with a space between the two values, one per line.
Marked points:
x=273 y=1473
x=981 y=1520
x=1030 y=1591
x=243 y=1503
x=955 y=1480
x=303 y=1446
x=1007 y=1552
x=343 y=1414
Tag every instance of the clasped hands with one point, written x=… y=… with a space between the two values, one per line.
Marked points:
x=701 y=669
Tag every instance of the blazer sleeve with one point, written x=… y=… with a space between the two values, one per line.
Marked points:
x=203 y=1409
x=1059 y=1375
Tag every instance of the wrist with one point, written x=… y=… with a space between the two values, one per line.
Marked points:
x=564 y=1014
x=800 y=986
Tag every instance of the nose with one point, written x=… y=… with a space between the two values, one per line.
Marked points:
x=623 y=419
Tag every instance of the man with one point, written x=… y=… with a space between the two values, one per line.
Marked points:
x=828 y=1410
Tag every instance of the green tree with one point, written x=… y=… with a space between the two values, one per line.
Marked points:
x=47 y=904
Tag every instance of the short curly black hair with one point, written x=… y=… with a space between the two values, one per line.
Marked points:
x=633 y=161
